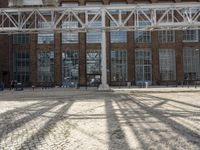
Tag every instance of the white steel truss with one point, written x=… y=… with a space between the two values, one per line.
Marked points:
x=173 y=16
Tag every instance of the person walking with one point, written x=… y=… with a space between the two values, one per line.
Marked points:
x=12 y=84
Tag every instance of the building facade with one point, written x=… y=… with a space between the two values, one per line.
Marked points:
x=70 y=58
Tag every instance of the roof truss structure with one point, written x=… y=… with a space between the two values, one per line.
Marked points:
x=173 y=16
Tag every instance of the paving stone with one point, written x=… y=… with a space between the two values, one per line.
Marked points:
x=66 y=119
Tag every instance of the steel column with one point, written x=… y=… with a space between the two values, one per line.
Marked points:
x=104 y=85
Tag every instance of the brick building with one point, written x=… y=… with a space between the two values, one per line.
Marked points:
x=69 y=58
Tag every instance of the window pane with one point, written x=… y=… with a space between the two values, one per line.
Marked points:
x=119 y=67
x=21 y=67
x=191 y=62
x=45 y=38
x=117 y=4
x=143 y=36
x=118 y=36
x=45 y=66
x=70 y=37
x=70 y=63
x=143 y=65
x=93 y=12
x=167 y=64
x=69 y=4
x=166 y=36
x=94 y=37
x=190 y=36
x=21 y=39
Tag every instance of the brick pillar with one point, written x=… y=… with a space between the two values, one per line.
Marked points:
x=179 y=56
x=58 y=59
x=82 y=52
x=3 y=4
x=131 y=51
x=33 y=59
x=5 y=54
x=5 y=59
x=155 y=57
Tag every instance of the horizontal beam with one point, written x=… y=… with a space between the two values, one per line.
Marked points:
x=110 y=7
x=165 y=16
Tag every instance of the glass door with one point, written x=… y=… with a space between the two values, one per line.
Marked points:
x=70 y=68
x=143 y=66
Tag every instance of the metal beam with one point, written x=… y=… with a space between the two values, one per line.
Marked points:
x=159 y=17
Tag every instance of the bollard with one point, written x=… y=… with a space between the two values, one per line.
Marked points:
x=129 y=84
x=146 y=84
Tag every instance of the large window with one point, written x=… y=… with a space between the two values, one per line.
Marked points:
x=21 y=66
x=143 y=36
x=94 y=37
x=119 y=67
x=117 y=36
x=45 y=38
x=190 y=36
x=70 y=65
x=21 y=39
x=70 y=37
x=166 y=36
x=167 y=63
x=191 y=61
x=45 y=66
x=143 y=65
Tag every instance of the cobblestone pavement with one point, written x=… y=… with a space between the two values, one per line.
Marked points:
x=63 y=119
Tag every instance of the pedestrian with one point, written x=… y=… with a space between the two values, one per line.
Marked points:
x=33 y=87
x=12 y=84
